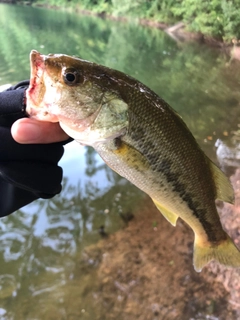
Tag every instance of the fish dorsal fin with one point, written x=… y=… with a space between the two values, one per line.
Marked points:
x=170 y=216
x=223 y=186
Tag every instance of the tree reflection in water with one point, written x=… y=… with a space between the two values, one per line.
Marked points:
x=42 y=242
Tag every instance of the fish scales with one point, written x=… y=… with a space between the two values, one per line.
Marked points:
x=170 y=153
x=140 y=137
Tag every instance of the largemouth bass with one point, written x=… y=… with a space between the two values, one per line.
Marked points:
x=140 y=137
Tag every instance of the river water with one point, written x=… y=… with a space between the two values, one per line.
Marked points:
x=41 y=243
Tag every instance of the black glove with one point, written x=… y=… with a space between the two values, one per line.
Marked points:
x=27 y=171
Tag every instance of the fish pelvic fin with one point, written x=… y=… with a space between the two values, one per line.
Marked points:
x=223 y=186
x=170 y=216
x=226 y=253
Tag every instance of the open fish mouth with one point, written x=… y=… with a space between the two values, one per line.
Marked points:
x=42 y=95
x=37 y=67
x=37 y=106
x=37 y=70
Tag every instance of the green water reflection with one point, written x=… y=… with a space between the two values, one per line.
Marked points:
x=40 y=244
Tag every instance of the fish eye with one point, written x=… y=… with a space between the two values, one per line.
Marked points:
x=72 y=77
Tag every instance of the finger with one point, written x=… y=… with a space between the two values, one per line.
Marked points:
x=28 y=131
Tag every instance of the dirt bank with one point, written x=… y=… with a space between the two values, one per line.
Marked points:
x=145 y=272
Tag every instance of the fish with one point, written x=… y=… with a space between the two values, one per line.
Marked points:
x=140 y=137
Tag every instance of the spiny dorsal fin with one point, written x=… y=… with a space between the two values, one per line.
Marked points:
x=170 y=216
x=223 y=186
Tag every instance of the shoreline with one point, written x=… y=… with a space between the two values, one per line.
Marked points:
x=177 y=31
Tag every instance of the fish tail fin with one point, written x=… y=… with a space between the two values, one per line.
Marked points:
x=226 y=253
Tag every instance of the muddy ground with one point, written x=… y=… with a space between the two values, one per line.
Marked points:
x=145 y=271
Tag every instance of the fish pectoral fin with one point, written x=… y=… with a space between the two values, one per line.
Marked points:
x=170 y=216
x=223 y=186
x=226 y=253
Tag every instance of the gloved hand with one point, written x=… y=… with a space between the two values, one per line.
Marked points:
x=27 y=171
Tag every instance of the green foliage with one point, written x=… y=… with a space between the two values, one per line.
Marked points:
x=162 y=10
x=231 y=15
x=216 y=18
x=98 y=6
x=135 y=8
x=220 y=19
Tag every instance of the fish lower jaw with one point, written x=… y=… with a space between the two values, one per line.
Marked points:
x=41 y=115
x=87 y=137
x=79 y=136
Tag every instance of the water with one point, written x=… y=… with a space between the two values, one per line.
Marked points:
x=41 y=244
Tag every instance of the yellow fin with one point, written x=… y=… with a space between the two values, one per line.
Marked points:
x=170 y=216
x=224 y=188
x=225 y=253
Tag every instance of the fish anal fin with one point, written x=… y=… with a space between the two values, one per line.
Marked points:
x=170 y=216
x=226 y=253
x=223 y=186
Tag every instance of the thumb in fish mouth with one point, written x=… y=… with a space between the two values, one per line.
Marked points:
x=28 y=131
